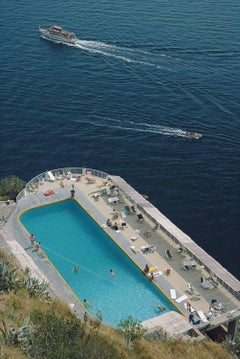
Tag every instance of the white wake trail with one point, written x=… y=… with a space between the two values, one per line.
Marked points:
x=121 y=53
x=130 y=126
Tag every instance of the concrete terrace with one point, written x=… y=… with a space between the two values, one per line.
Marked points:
x=96 y=191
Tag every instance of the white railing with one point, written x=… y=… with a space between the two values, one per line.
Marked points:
x=59 y=173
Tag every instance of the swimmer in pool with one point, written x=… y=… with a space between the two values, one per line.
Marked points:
x=160 y=307
x=85 y=303
x=75 y=269
x=111 y=271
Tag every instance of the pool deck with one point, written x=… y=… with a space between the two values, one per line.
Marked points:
x=95 y=199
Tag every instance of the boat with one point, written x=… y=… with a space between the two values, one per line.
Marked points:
x=57 y=33
x=194 y=135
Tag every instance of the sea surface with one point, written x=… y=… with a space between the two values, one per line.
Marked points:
x=141 y=74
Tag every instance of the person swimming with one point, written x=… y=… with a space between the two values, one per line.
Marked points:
x=160 y=307
x=75 y=269
x=85 y=303
x=111 y=271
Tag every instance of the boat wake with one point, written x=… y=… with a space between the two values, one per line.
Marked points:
x=118 y=52
x=161 y=59
x=130 y=126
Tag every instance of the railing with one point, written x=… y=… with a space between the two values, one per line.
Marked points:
x=59 y=173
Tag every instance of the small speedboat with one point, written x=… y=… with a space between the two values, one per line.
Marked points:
x=194 y=135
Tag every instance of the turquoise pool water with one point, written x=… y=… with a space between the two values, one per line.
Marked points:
x=70 y=237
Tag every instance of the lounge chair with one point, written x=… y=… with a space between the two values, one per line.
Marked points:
x=69 y=175
x=135 y=235
x=148 y=249
x=173 y=294
x=96 y=196
x=190 y=288
x=207 y=284
x=127 y=210
x=154 y=271
x=50 y=176
x=108 y=191
x=181 y=299
x=123 y=214
x=168 y=254
x=140 y=218
x=202 y=316
x=218 y=306
x=113 y=200
x=133 y=209
x=189 y=264
x=135 y=249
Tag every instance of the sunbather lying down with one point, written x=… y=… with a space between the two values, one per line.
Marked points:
x=49 y=192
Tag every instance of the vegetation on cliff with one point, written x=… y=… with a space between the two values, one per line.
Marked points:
x=10 y=187
x=33 y=325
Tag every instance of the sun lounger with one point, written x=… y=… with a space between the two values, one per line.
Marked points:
x=202 y=316
x=173 y=294
x=157 y=273
x=108 y=191
x=181 y=299
x=135 y=235
x=127 y=210
x=123 y=214
x=153 y=270
x=113 y=200
x=50 y=176
x=207 y=284
x=148 y=249
x=190 y=288
x=189 y=264
x=168 y=254
x=133 y=209
x=96 y=196
x=69 y=175
x=135 y=249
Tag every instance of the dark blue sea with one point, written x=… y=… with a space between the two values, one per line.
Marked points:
x=141 y=74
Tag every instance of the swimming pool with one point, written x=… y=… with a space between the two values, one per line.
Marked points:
x=70 y=237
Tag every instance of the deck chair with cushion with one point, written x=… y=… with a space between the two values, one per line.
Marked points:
x=50 y=177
